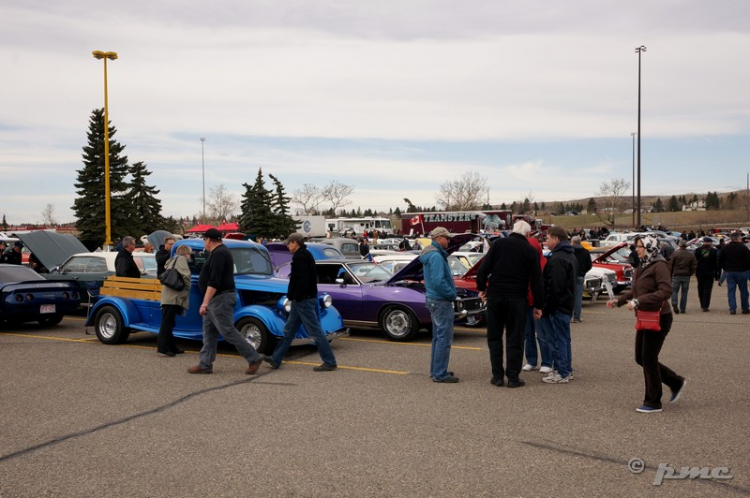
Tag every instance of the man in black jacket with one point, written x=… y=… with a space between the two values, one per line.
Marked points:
x=583 y=257
x=162 y=255
x=707 y=270
x=734 y=259
x=559 y=298
x=219 y=297
x=303 y=293
x=124 y=263
x=503 y=280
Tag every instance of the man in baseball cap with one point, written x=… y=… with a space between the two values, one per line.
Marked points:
x=212 y=234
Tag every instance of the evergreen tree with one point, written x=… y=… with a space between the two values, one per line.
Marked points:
x=526 y=206
x=397 y=212
x=658 y=206
x=89 y=206
x=4 y=223
x=536 y=206
x=142 y=198
x=674 y=205
x=544 y=206
x=285 y=224
x=503 y=206
x=257 y=217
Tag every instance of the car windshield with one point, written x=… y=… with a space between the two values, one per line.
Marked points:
x=251 y=261
x=457 y=267
x=147 y=263
x=368 y=272
x=15 y=273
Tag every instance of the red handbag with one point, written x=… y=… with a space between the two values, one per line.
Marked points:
x=648 y=320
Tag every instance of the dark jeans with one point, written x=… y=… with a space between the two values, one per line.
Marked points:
x=165 y=342
x=304 y=312
x=705 y=286
x=509 y=314
x=647 y=347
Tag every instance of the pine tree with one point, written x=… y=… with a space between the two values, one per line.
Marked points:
x=658 y=206
x=142 y=198
x=397 y=212
x=285 y=224
x=674 y=205
x=257 y=217
x=4 y=223
x=89 y=206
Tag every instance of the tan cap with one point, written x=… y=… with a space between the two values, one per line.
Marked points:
x=295 y=237
x=440 y=232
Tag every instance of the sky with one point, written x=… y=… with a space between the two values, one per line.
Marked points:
x=393 y=97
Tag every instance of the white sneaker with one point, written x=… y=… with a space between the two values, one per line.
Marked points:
x=570 y=377
x=555 y=378
x=528 y=367
x=545 y=370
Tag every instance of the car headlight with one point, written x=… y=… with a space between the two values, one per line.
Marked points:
x=287 y=305
x=327 y=301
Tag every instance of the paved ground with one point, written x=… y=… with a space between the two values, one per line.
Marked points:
x=79 y=418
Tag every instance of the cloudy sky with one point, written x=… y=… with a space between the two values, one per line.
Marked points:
x=393 y=97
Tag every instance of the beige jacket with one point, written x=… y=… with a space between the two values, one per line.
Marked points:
x=171 y=296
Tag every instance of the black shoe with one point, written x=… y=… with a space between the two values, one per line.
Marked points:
x=165 y=353
x=705 y=310
x=179 y=351
x=271 y=363
x=745 y=312
x=732 y=312
x=683 y=312
x=676 y=311
x=325 y=367
x=497 y=382
x=448 y=380
x=516 y=383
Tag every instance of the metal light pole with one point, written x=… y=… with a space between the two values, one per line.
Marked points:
x=639 y=50
x=203 y=168
x=98 y=54
x=632 y=202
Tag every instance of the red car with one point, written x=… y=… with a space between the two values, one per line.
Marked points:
x=614 y=258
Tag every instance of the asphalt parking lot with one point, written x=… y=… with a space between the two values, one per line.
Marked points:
x=79 y=418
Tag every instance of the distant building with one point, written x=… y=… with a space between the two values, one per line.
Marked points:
x=695 y=206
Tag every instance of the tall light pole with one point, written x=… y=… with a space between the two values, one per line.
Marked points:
x=639 y=50
x=203 y=168
x=632 y=189
x=98 y=54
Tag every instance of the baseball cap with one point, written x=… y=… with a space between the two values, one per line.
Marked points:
x=212 y=233
x=18 y=243
x=295 y=237
x=440 y=232
x=707 y=239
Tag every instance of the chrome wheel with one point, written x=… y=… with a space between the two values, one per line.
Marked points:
x=254 y=332
x=107 y=325
x=399 y=324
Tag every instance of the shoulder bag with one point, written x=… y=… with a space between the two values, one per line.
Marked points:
x=171 y=277
x=647 y=320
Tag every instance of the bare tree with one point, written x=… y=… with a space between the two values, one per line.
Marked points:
x=612 y=193
x=309 y=197
x=464 y=194
x=48 y=215
x=336 y=193
x=221 y=203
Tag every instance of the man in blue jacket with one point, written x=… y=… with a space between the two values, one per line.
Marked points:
x=441 y=293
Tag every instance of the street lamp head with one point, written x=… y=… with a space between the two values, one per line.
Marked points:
x=98 y=54
x=642 y=48
x=203 y=139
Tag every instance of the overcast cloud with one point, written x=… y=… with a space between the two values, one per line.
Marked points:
x=393 y=97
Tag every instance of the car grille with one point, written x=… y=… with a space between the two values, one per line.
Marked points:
x=468 y=304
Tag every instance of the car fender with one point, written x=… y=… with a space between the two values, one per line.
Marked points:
x=273 y=322
x=125 y=306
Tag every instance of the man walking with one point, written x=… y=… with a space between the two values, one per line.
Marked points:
x=708 y=267
x=583 y=257
x=303 y=293
x=124 y=263
x=503 y=280
x=217 y=285
x=440 y=295
x=683 y=264
x=559 y=296
x=734 y=259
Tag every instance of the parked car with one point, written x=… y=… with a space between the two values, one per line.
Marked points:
x=259 y=315
x=394 y=262
x=468 y=259
x=614 y=258
x=280 y=254
x=368 y=296
x=26 y=296
x=348 y=247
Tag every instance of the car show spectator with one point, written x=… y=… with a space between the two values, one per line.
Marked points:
x=148 y=248
x=303 y=293
x=162 y=255
x=510 y=267
x=651 y=290
x=174 y=302
x=13 y=255
x=583 y=256
x=364 y=248
x=219 y=297
x=404 y=245
x=706 y=271
x=682 y=265
x=439 y=297
x=3 y=248
x=535 y=329
x=124 y=263
x=734 y=260
x=559 y=299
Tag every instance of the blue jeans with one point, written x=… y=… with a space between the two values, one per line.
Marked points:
x=578 y=304
x=304 y=312
x=677 y=284
x=220 y=320
x=535 y=332
x=734 y=279
x=559 y=326
x=442 y=315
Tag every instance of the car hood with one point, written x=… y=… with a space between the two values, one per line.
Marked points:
x=265 y=283
x=51 y=248
x=414 y=270
x=156 y=238
x=601 y=256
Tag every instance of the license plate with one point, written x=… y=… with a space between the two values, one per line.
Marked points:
x=47 y=308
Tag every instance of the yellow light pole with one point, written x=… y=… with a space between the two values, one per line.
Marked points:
x=98 y=54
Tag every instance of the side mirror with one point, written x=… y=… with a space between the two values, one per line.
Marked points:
x=340 y=281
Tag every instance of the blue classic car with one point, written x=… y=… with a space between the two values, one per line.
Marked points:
x=26 y=296
x=260 y=313
x=369 y=296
